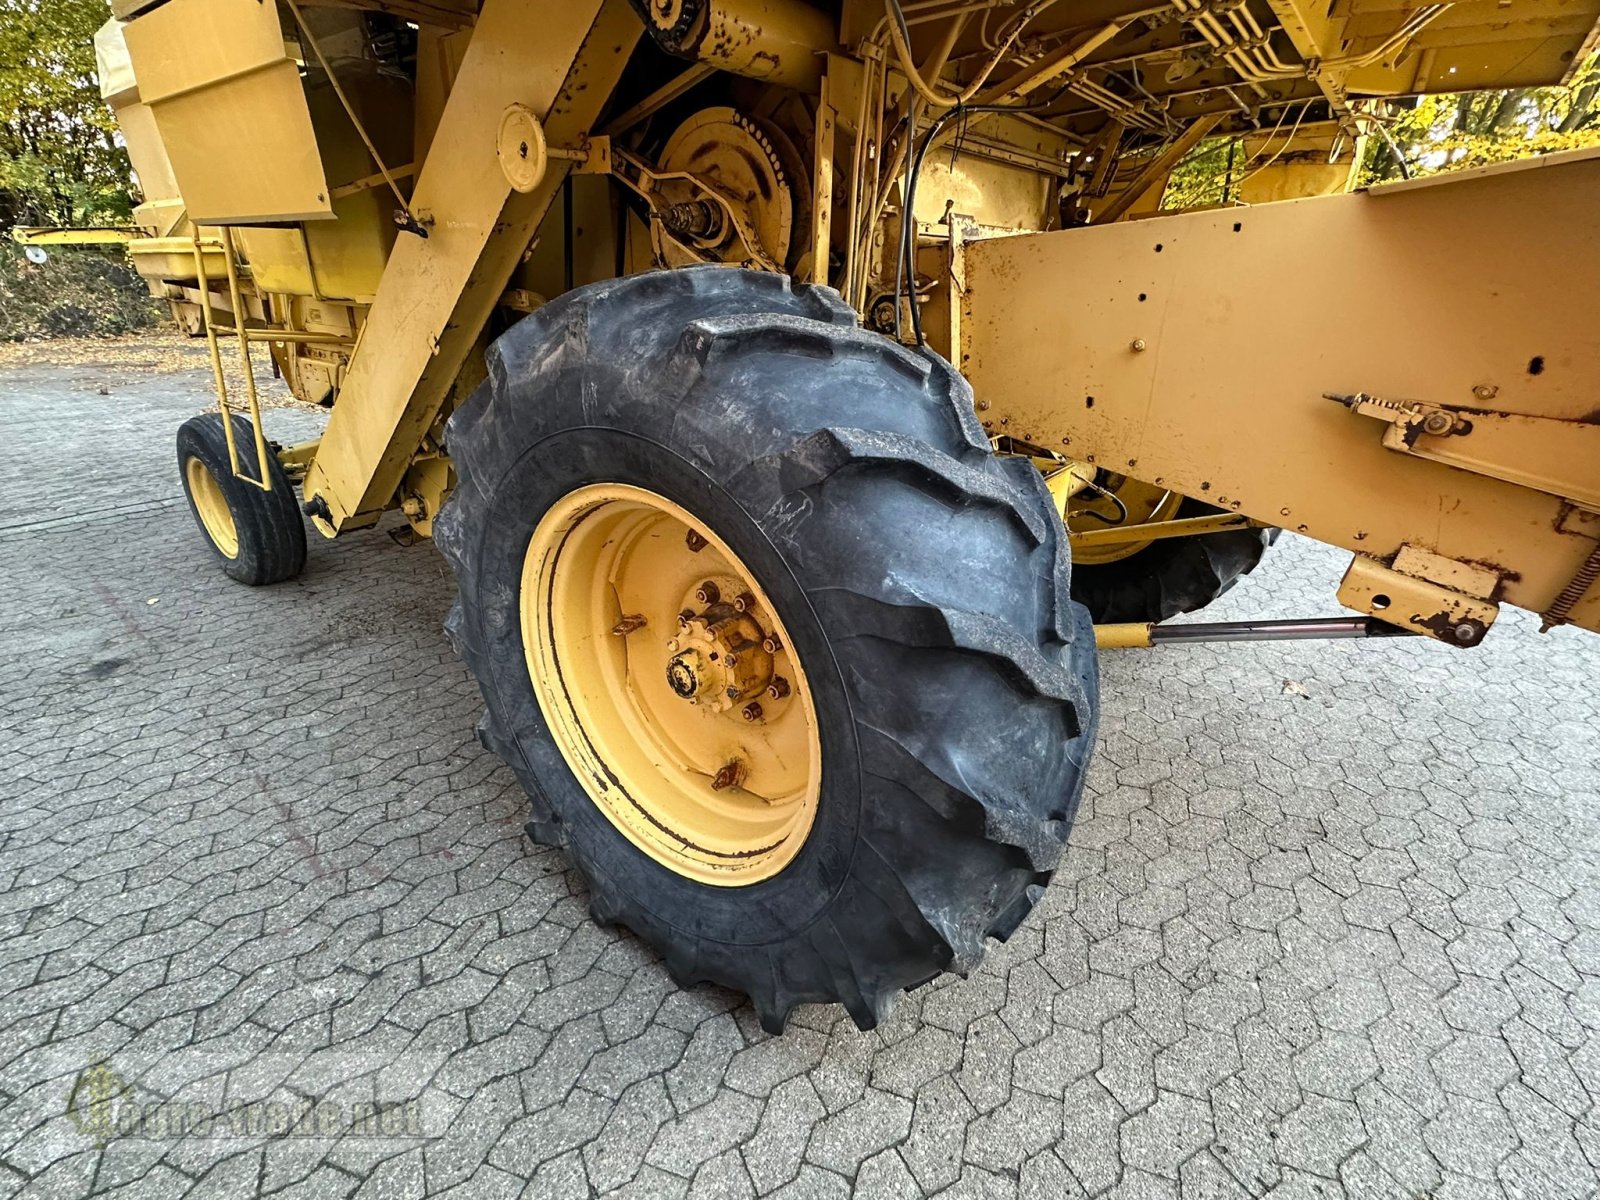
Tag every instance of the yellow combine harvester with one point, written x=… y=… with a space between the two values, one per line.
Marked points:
x=646 y=312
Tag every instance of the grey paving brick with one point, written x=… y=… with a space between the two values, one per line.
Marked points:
x=1340 y=939
x=1163 y=1137
x=774 y=1152
x=722 y=1123
x=1319 y=1135
x=844 y=1140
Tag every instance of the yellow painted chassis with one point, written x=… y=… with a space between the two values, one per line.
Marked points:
x=1409 y=373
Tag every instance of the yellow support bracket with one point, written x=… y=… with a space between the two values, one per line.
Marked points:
x=263 y=477
x=61 y=236
x=1113 y=535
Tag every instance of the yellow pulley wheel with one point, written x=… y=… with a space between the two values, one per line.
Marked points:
x=521 y=148
x=667 y=679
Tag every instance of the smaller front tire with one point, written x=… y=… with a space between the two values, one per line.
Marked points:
x=1169 y=576
x=258 y=535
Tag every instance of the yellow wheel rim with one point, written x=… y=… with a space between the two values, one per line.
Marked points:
x=212 y=506
x=670 y=686
x=1145 y=502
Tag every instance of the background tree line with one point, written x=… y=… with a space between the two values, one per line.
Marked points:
x=61 y=164
x=1430 y=134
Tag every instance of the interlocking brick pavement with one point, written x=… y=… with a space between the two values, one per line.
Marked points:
x=1329 y=926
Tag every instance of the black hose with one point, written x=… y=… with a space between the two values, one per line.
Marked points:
x=908 y=222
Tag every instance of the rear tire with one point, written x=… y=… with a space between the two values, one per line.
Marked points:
x=1171 y=575
x=259 y=536
x=923 y=581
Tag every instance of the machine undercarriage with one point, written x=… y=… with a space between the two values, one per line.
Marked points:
x=763 y=363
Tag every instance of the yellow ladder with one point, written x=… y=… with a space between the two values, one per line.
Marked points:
x=263 y=477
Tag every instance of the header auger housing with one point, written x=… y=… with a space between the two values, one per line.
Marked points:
x=647 y=312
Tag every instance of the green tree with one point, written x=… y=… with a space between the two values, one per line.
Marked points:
x=1446 y=132
x=1454 y=131
x=61 y=161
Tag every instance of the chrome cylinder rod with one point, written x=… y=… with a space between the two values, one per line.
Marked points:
x=1276 y=631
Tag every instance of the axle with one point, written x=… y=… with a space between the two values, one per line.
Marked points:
x=1135 y=636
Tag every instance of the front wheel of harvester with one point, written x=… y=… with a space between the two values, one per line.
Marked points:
x=1154 y=580
x=783 y=656
x=259 y=535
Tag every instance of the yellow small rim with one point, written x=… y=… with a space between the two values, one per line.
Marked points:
x=670 y=685
x=212 y=506
x=1145 y=503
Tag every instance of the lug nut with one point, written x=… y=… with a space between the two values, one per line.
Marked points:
x=685 y=617
x=771 y=644
x=694 y=541
x=744 y=602
x=778 y=688
x=731 y=775
x=752 y=711
x=708 y=593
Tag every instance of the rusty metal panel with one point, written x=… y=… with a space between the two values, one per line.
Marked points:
x=1195 y=351
x=228 y=102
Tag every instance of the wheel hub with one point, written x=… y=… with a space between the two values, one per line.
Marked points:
x=686 y=674
x=719 y=657
x=664 y=673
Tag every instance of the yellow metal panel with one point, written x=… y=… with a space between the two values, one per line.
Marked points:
x=437 y=292
x=1195 y=351
x=231 y=112
x=345 y=260
x=145 y=151
x=174 y=258
x=1416 y=604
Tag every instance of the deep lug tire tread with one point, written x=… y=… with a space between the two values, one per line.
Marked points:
x=968 y=675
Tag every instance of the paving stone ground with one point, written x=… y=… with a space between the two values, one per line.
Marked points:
x=1329 y=926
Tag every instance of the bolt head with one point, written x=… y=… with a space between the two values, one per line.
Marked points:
x=752 y=711
x=694 y=541
x=708 y=593
x=778 y=688
x=771 y=645
x=744 y=602
x=731 y=775
x=1466 y=632
x=1136 y=345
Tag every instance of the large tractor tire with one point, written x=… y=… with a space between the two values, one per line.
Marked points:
x=1169 y=576
x=259 y=536
x=784 y=657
